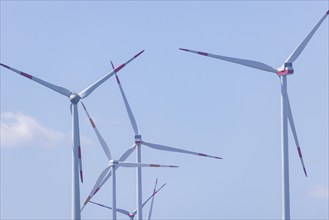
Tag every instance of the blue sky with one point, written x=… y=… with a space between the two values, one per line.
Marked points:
x=178 y=99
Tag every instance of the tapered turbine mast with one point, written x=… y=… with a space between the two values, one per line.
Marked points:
x=113 y=165
x=286 y=113
x=74 y=99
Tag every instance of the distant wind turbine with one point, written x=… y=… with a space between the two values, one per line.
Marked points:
x=286 y=113
x=132 y=214
x=113 y=165
x=139 y=142
x=74 y=99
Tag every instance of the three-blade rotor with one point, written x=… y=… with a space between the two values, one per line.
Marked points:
x=114 y=164
x=151 y=145
x=285 y=69
x=74 y=98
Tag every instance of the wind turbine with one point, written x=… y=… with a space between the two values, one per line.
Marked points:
x=74 y=99
x=132 y=214
x=114 y=164
x=286 y=113
x=139 y=142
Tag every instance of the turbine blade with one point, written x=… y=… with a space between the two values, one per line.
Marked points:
x=166 y=148
x=129 y=164
x=250 y=63
x=294 y=132
x=71 y=108
x=148 y=199
x=153 y=195
x=122 y=211
x=126 y=154
x=151 y=206
x=86 y=92
x=99 y=136
x=97 y=186
x=303 y=44
x=112 y=65
x=130 y=114
x=76 y=139
x=108 y=175
x=104 y=206
x=58 y=89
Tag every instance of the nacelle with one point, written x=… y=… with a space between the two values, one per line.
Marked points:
x=286 y=69
x=138 y=139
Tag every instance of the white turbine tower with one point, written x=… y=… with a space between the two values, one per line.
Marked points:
x=286 y=114
x=74 y=99
x=139 y=142
x=132 y=214
x=114 y=164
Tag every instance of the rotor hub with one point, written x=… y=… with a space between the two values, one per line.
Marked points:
x=113 y=162
x=74 y=98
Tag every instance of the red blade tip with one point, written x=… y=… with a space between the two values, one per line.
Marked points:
x=119 y=68
x=139 y=53
x=83 y=105
x=1 y=64
x=87 y=200
x=81 y=176
x=154 y=165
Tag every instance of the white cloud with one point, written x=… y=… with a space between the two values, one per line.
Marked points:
x=319 y=192
x=18 y=129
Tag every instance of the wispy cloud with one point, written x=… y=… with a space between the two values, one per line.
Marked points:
x=19 y=129
x=319 y=192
